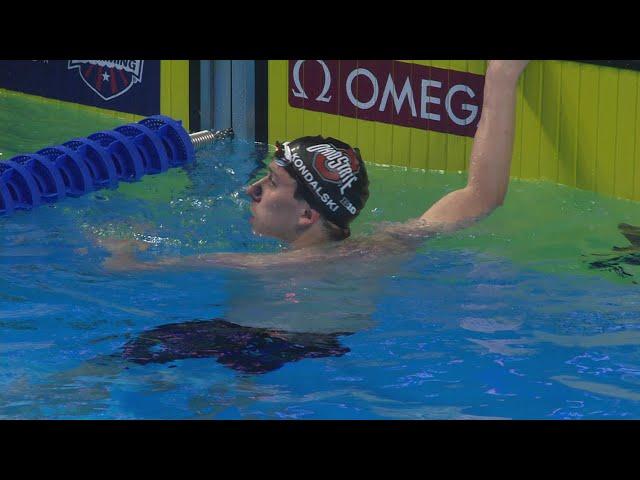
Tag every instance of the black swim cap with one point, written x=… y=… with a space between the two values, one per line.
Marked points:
x=332 y=173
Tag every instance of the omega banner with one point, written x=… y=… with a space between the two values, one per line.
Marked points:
x=389 y=91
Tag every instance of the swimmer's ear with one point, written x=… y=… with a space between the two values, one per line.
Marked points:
x=309 y=216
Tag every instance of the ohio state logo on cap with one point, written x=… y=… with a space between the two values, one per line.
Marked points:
x=335 y=165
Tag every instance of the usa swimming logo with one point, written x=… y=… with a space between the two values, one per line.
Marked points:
x=109 y=78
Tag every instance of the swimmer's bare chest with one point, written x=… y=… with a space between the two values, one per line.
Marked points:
x=329 y=289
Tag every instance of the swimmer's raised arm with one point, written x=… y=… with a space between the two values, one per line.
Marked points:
x=488 y=176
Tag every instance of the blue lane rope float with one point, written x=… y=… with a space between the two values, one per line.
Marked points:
x=23 y=190
x=72 y=167
x=102 y=160
x=123 y=153
x=46 y=175
x=103 y=170
x=153 y=153
x=178 y=144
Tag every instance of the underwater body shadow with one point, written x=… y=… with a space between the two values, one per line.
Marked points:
x=629 y=255
x=244 y=349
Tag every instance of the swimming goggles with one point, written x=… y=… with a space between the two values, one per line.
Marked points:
x=280 y=157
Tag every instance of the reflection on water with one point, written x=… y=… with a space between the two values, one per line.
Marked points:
x=503 y=346
x=595 y=340
x=597 y=387
x=629 y=255
x=245 y=349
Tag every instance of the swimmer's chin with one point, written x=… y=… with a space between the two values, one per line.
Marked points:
x=255 y=230
x=264 y=235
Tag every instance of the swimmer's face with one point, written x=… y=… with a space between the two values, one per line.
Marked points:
x=276 y=213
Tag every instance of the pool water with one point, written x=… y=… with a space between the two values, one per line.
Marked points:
x=529 y=314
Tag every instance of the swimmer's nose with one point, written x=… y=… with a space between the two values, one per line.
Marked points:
x=255 y=191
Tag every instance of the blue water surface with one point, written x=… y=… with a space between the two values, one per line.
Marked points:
x=454 y=331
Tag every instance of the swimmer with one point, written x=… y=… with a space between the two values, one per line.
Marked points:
x=305 y=299
x=317 y=186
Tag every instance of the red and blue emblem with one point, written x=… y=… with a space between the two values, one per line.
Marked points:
x=109 y=78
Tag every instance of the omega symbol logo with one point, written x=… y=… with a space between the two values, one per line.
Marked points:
x=300 y=93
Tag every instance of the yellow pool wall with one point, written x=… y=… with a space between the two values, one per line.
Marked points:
x=577 y=124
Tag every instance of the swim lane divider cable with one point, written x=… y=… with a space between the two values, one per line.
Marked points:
x=101 y=160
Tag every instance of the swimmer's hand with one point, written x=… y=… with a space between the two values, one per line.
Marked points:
x=122 y=254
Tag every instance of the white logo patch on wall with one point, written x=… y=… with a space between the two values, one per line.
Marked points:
x=108 y=78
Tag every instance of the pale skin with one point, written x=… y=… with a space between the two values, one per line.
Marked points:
x=276 y=213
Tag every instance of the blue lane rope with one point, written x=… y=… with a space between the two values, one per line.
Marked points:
x=82 y=165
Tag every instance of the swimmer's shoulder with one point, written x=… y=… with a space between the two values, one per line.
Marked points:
x=388 y=238
x=410 y=232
